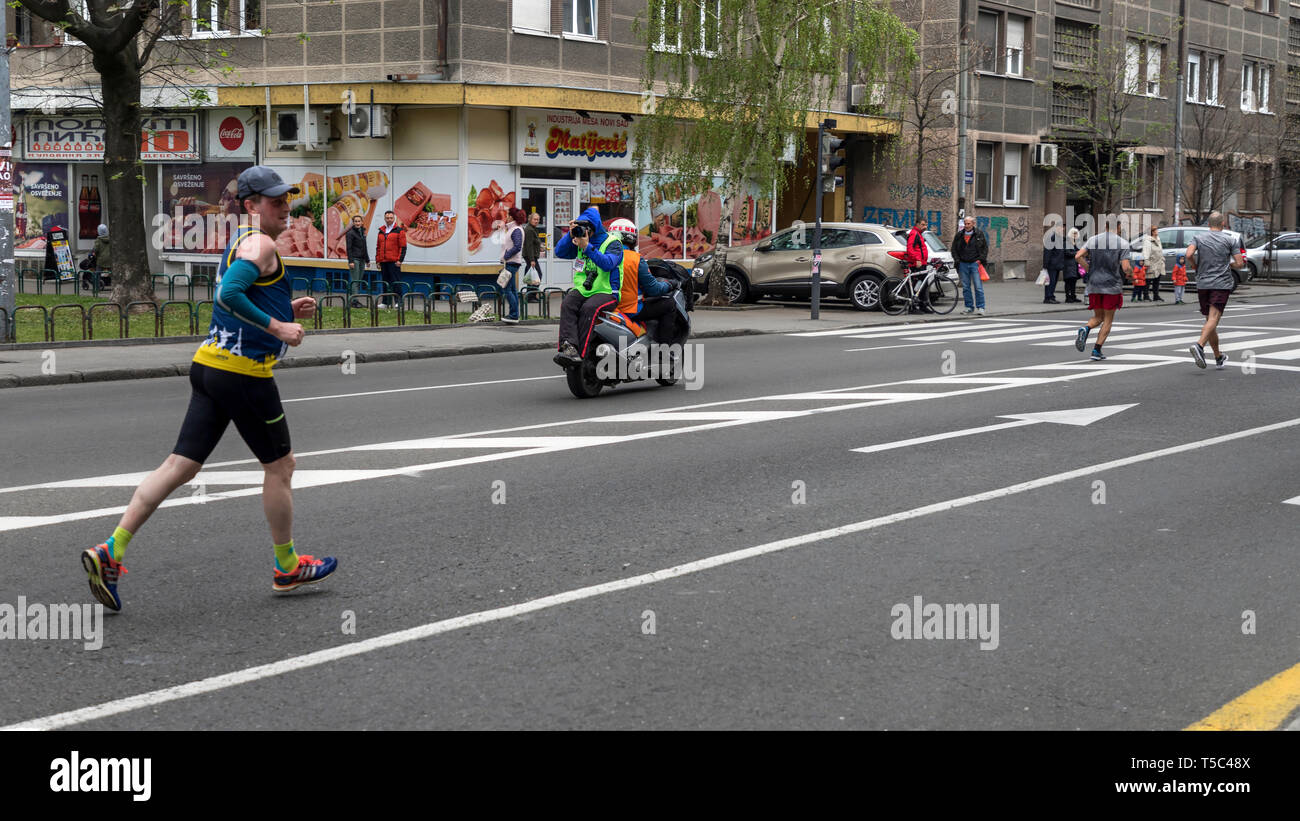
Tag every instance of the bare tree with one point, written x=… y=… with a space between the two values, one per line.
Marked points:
x=1216 y=139
x=121 y=45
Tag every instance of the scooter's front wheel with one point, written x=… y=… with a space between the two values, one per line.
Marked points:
x=582 y=380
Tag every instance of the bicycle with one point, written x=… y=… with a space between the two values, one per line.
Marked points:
x=935 y=292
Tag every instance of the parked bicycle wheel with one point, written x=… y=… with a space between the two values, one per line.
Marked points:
x=894 y=297
x=941 y=295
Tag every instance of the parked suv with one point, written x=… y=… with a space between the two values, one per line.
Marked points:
x=856 y=257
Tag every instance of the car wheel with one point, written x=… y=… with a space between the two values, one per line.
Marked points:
x=864 y=292
x=1236 y=280
x=735 y=288
x=1254 y=272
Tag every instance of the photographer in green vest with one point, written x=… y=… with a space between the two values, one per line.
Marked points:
x=597 y=262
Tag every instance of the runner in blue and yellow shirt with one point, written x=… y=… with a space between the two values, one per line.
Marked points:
x=252 y=326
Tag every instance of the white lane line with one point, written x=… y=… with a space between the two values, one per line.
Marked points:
x=1254 y=314
x=423 y=388
x=895 y=330
x=975 y=335
x=890 y=347
x=922 y=329
x=938 y=437
x=1283 y=355
x=264 y=671
x=1070 y=371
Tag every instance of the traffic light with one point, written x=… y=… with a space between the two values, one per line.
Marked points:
x=831 y=160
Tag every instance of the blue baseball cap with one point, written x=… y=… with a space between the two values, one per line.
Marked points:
x=263 y=180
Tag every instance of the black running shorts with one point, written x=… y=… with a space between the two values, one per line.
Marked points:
x=221 y=397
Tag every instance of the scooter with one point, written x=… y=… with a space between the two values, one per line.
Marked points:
x=615 y=354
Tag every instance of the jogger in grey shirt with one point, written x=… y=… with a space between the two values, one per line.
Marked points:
x=1213 y=254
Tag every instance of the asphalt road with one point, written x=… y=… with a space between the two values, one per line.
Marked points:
x=1119 y=605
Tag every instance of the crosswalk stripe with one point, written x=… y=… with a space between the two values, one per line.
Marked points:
x=937 y=329
x=1294 y=353
x=1159 y=344
x=1058 y=334
x=1256 y=343
x=975 y=335
x=1167 y=332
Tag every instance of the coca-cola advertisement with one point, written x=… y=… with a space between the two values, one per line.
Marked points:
x=229 y=135
x=199 y=208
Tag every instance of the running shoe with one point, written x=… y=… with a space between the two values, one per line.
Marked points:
x=103 y=573
x=1097 y=355
x=1198 y=353
x=310 y=570
x=1220 y=361
x=1081 y=338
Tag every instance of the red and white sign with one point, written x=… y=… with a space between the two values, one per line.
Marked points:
x=76 y=138
x=229 y=137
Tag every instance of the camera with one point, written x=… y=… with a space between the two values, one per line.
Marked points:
x=580 y=230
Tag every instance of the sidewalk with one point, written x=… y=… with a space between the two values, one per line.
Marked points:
x=100 y=361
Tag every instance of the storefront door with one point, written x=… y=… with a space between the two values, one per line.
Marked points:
x=555 y=205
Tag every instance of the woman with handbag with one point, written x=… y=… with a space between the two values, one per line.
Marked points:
x=512 y=259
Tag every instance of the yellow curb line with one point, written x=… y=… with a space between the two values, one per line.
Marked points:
x=1262 y=708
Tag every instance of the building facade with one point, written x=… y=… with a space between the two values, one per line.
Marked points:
x=1051 y=80
x=447 y=112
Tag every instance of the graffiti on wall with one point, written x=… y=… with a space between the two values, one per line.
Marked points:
x=1247 y=226
x=898 y=192
x=902 y=217
x=993 y=228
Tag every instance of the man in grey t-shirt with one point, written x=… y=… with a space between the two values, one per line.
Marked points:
x=1107 y=257
x=1212 y=254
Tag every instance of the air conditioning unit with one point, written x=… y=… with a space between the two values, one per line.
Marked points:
x=1237 y=161
x=860 y=95
x=291 y=131
x=1046 y=154
x=369 y=120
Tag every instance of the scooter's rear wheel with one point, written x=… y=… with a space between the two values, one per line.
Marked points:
x=582 y=380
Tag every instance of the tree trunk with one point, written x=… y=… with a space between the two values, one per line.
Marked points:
x=123 y=172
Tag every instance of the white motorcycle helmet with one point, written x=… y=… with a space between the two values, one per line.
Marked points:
x=626 y=231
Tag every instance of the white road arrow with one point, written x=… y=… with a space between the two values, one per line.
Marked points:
x=1080 y=417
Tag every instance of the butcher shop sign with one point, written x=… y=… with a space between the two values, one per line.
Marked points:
x=79 y=138
x=566 y=138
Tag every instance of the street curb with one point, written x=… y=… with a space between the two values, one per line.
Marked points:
x=183 y=369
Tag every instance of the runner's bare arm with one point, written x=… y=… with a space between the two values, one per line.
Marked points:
x=1191 y=257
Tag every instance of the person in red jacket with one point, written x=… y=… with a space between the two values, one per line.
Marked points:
x=918 y=253
x=390 y=250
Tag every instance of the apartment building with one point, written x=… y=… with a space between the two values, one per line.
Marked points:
x=1047 y=78
x=447 y=112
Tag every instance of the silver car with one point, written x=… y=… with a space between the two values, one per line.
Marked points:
x=1174 y=239
x=1280 y=255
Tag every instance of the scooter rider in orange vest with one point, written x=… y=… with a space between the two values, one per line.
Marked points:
x=637 y=280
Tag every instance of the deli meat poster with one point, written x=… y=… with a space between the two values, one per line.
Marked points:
x=441 y=222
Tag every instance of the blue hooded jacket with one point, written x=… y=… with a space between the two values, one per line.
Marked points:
x=611 y=260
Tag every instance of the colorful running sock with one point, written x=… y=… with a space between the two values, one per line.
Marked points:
x=118 y=542
x=286 y=558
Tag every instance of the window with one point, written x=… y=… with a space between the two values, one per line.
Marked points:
x=532 y=15
x=1248 y=85
x=1070 y=105
x=986 y=38
x=1203 y=77
x=1000 y=40
x=1143 y=63
x=1015 y=46
x=984 y=172
x=1256 y=82
x=1266 y=6
x=799 y=239
x=668 y=19
x=579 y=17
x=1011 y=174
x=1293 y=85
x=1073 y=44
x=843 y=238
x=1265 y=80
x=1293 y=39
x=1144 y=181
x=220 y=18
